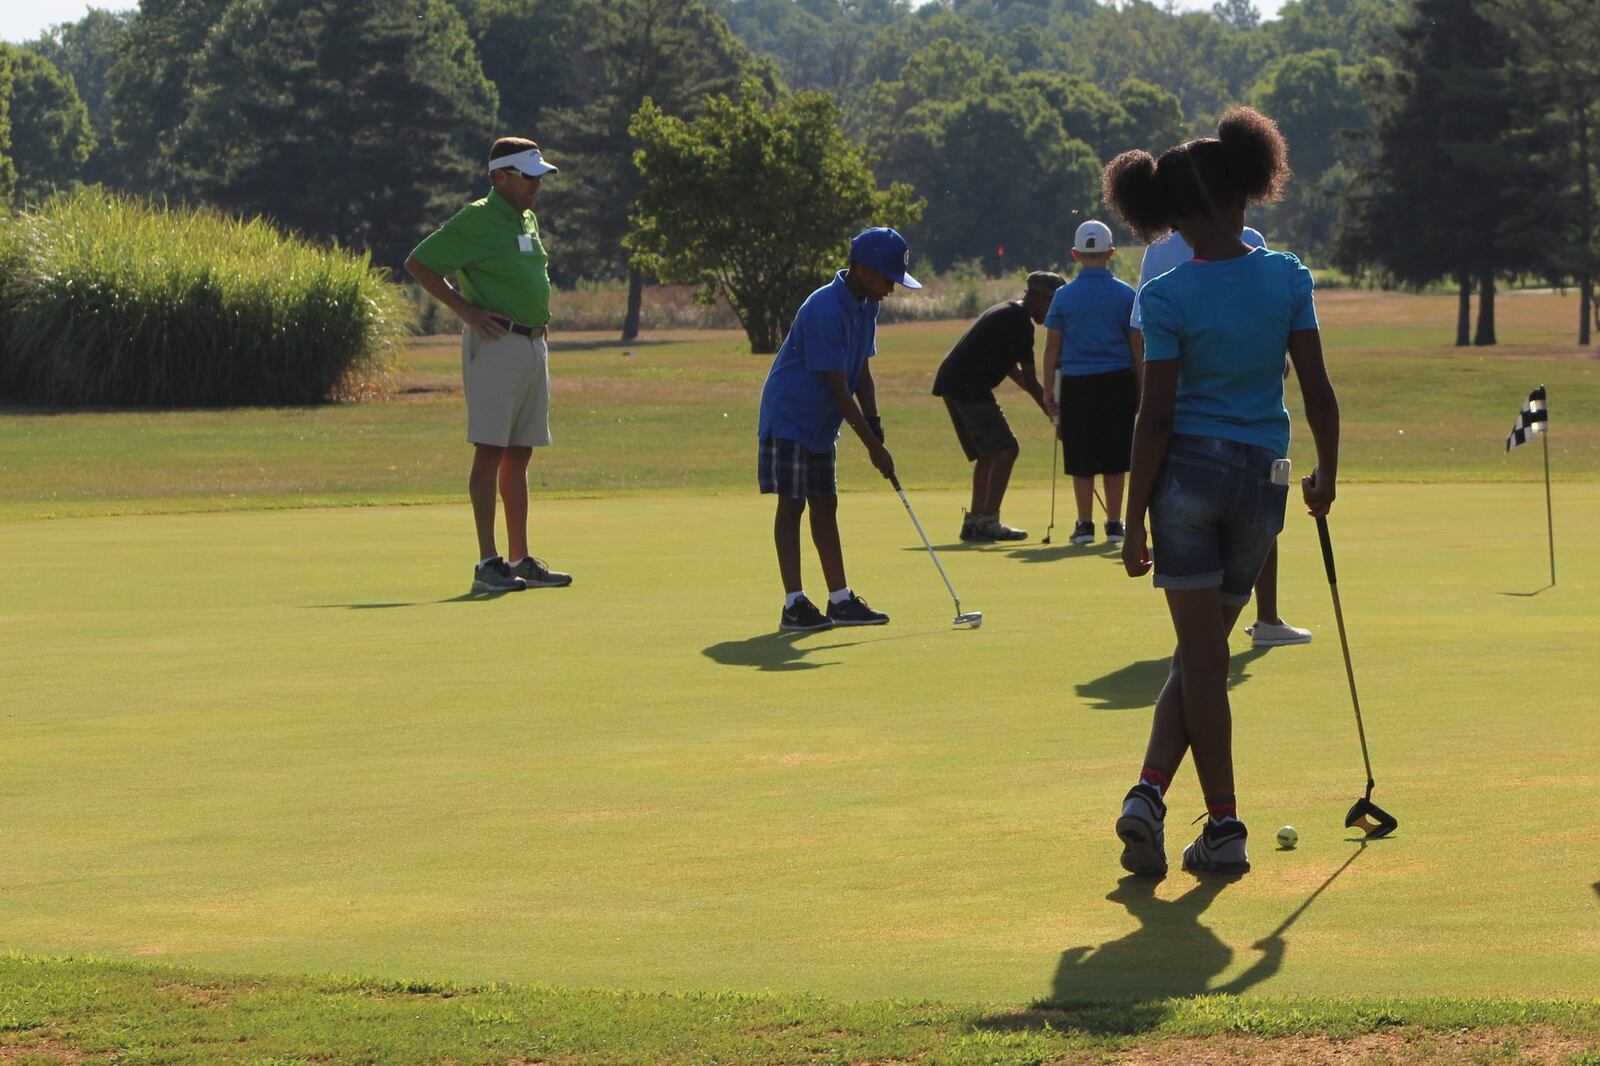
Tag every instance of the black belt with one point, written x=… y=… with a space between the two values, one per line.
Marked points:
x=521 y=330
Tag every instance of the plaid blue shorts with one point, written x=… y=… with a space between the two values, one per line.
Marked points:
x=789 y=469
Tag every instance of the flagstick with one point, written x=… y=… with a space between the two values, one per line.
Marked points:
x=1549 y=521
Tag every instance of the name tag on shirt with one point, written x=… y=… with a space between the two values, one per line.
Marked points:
x=524 y=242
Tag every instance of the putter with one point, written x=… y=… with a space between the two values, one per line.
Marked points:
x=1055 y=456
x=1364 y=815
x=970 y=618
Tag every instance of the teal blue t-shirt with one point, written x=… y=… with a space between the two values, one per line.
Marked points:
x=1228 y=323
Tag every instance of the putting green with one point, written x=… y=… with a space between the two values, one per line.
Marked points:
x=285 y=742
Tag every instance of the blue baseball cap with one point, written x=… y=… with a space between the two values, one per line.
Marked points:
x=885 y=251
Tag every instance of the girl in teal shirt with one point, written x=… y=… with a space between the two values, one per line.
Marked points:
x=1209 y=481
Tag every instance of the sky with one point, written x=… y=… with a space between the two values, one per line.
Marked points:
x=23 y=20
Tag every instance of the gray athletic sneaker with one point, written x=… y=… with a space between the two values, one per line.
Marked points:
x=1219 y=849
x=539 y=576
x=493 y=575
x=995 y=529
x=1141 y=828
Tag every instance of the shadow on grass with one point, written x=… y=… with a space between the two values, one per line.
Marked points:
x=558 y=345
x=1134 y=687
x=465 y=597
x=1535 y=592
x=1118 y=987
x=1057 y=550
x=783 y=651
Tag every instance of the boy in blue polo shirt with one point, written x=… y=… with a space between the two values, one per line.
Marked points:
x=820 y=380
x=1098 y=384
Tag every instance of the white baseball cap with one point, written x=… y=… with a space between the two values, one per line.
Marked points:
x=1093 y=237
x=529 y=162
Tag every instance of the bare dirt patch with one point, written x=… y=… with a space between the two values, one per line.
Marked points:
x=47 y=1049
x=1534 y=1044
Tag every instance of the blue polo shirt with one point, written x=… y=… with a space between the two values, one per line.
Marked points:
x=832 y=331
x=1228 y=323
x=1092 y=314
x=1164 y=253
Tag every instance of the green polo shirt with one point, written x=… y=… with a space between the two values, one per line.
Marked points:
x=495 y=255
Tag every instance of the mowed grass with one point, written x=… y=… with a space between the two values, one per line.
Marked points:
x=255 y=743
x=286 y=742
x=679 y=416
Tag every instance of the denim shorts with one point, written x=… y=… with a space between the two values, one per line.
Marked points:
x=1214 y=515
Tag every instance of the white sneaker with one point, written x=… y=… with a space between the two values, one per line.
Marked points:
x=1141 y=829
x=1268 y=635
x=1219 y=849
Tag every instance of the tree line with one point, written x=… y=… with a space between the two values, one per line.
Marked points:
x=1434 y=141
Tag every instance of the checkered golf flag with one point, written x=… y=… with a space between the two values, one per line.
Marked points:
x=1532 y=420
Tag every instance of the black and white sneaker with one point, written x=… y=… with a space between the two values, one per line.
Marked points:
x=974 y=530
x=1083 y=533
x=539 y=576
x=855 y=612
x=1219 y=849
x=803 y=617
x=493 y=575
x=1114 y=532
x=1141 y=828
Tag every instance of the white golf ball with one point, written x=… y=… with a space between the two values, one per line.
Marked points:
x=1287 y=837
x=976 y=622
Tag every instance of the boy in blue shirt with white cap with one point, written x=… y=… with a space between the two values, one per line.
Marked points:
x=819 y=381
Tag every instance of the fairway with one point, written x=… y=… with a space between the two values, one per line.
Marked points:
x=285 y=742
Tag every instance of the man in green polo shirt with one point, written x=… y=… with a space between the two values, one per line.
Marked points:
x=501 y=292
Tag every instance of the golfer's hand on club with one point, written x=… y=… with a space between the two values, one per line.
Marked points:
x=1052 y=410
x=881 y=459
x=483 y=320
x=1318 y=491
x=1136 y=550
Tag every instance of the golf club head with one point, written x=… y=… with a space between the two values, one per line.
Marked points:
x=1371 y=819
x=971 y=618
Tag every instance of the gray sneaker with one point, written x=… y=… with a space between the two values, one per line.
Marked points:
x=536 y=575
x=998 y=530
x=493 y=575
x=1141 y=829
x=1219 y=849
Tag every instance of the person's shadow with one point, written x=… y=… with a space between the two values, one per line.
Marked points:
x=1170 y=954
x=1134 y=687
x=773 y=651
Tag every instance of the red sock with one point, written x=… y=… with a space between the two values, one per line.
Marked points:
x=1151 y=776
x=1222 y=807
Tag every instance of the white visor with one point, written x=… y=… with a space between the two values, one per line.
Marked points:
x=530 y=163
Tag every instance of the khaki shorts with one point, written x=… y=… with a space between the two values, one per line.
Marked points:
x=981 y=427
x=507 y=384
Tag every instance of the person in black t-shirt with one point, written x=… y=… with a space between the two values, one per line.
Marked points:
x=997 y=346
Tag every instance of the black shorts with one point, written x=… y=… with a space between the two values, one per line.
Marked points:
x=1097 y=413
x=789 y=469
x=981 y=427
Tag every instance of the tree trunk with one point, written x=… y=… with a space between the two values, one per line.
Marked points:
x=1485 y=334
x=1464 y=311
x=630 y=323
x=1586 y=220
x=1585 y=303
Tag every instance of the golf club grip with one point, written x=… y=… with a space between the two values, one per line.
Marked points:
x=894 y=479
x=1327 y=548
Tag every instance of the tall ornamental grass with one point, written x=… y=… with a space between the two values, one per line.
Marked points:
x=107 y=301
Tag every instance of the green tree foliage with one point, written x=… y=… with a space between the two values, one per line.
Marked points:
x=818 y=44
x=368 y=145
x=50 y=133
x=1452 y=189
x=531 y=50
x=1559 y=43
x=8 y=169
x=86 y=51
x=674 y=53
x=755 y=201
x=150 y=87
x=990 y=153
x=1319 y=106
x=1356 y=29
